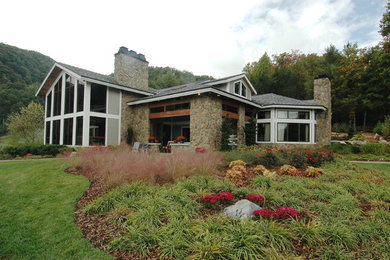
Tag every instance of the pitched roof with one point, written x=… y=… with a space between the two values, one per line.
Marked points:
x=274 y=99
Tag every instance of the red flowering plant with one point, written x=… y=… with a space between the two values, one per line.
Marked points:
x=280 y=213
x=264 y=213
x=226 y=197
x=255 y=198
x=181 y=139
x=284 y=212
x=210 y=201
x=151 y=139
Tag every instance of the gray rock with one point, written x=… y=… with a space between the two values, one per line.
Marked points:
x=242 y=209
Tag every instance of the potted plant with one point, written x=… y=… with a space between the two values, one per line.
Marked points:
x=151 y=139
x=181 y=139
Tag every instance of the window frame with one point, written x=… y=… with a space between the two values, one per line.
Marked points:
x=240 y=89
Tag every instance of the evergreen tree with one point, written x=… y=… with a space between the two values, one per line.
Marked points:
x=226 y=131
x=250 y=131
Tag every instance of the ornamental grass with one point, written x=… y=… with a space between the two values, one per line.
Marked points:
x=120 y=165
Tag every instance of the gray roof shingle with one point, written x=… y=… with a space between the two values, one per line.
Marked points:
x=274 y=99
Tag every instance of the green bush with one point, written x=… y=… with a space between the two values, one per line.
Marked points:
x=23 y=150
x=375 y=148
x=269 y=159
x=386 y=128
x=355 y=149
x=378 y=129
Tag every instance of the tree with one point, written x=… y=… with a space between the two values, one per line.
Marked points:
x=226 y=131
x=250 y=131
x=27 y=123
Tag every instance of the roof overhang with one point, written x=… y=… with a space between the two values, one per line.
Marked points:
x=194 y=92
x=56 y=70
x=316 y=107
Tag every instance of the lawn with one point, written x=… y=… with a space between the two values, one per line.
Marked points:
x=36 y=212
x=381 y=167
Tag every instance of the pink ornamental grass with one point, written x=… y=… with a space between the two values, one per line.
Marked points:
x=118 y=166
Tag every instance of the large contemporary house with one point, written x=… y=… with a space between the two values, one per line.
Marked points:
x=84 y=108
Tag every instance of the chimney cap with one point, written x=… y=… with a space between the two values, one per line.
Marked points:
x=131 y=53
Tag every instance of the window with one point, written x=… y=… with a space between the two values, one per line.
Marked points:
x=47 y=134
x=69 y=94
x=80 y=96
x=293 y=132
x=263 y=132
x=55 y=139
x=264 y=115
x=97 y=131
x=79 y=130
x=237 y=87
x=98 y=98
x=57 y=97
x=157 y=109
x=240 y=88
x=48 y=105
x=178 y=107
x=292 y=114
x=68 y=131
x=229 y=108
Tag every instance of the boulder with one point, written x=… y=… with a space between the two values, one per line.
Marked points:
x=242 y=209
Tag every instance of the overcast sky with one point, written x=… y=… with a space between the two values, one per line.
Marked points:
x=210 y=37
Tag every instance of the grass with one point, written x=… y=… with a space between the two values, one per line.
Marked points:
x=380 y=167
x=343 y=214
x=36 y=212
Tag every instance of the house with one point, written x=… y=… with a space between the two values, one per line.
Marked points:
x=83 y=108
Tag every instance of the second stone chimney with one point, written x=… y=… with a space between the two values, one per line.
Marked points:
x=131 y=69
x=323 y=96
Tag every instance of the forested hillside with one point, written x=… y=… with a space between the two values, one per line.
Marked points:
x=360 y=77
x=21 y=72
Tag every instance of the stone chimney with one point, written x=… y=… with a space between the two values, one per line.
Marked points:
x=322 y=96
x=131 y=69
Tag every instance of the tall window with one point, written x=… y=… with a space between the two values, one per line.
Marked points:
x=263 y=132
x=68 y=131
x=57 y=97
x=56 y=132
x=47 y=134
x=80 y=96
x=79 y=130
x=69 y=94
x=97 y=131
x=98 y=98
x=48 y=105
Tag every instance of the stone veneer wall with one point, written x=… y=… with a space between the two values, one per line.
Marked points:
x=205 y=122
x=322 y=96
x=137 y=117
x=241 y=125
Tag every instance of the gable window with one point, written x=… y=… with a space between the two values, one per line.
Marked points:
x=240 y=88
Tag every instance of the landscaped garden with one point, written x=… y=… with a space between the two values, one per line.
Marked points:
x=314 y=205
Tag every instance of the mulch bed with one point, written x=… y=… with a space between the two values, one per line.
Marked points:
x=98 y=229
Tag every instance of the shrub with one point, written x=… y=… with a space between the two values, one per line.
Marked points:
x=259 y=169
x=375 y=148
x=289 y=170
x=236 y=175
x=270 y=174
x=358 y=137
x=268 y=159
x=355 y=148
x=22 y=150
x=297 y=159
x=386 y=127
x=313 y=172
x=210 y=201
x=378 y=129
x=226 y=131
x=236 y=162
x=250 y=132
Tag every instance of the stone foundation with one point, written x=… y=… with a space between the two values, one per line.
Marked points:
x=180 y=148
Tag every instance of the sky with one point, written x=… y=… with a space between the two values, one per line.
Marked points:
x=206 y=37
